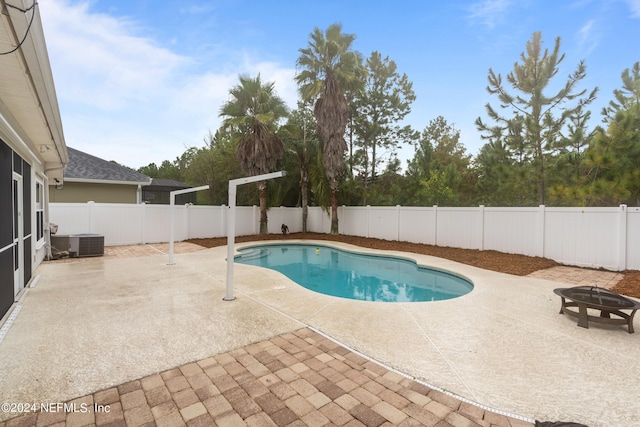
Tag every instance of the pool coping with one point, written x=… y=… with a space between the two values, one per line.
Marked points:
x=532 y=312
x=384 y=254
x=238 y=254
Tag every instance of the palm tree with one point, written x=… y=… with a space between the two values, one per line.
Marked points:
x=302 y=146
x=328 y=69
x=251 y=117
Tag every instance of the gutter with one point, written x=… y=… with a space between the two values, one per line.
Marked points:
x=40 y=71
x=107 y=181
x=25 y=147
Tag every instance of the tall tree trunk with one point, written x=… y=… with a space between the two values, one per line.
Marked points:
x=365 y=179
x=334 y=209
x=262 y=187
x=373 y=160
x=540 y=155
x=542 y=184
x=304 y=185
x=365 y=191
x=351 y=148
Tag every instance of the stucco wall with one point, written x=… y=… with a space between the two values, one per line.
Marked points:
x=82 y=192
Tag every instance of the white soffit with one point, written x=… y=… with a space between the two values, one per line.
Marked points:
x=26 y=87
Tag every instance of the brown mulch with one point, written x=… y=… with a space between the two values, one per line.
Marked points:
x=519 y=265
x=629 y=285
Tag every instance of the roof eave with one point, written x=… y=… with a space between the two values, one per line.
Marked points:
x=50 y=146
x=107 y=181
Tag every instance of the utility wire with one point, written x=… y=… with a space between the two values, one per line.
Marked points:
x=33 y=14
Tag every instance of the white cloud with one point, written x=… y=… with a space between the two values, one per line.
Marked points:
x=587 y=38
x=283 y=77
x=489 y=12
x=124 y=97
x=634 y=5
x=99 y=60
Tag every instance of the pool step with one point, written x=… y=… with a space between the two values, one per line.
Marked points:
x=254 y=254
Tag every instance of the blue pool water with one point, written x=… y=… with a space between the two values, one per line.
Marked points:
x=350 y=275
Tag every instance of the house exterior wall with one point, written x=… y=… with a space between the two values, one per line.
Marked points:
x=33 y=152
x=163 y=197
x=82 y=192
x=22 y=240
x=7 y=246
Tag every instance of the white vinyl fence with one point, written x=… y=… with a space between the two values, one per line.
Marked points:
x=587 y=237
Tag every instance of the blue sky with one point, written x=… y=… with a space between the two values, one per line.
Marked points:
x=139 y=81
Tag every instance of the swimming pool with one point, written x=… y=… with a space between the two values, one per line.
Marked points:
x=357 y=276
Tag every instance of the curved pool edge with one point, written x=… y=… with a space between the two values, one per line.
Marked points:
x=474 y=345
x=359 y=250
x=407 y=256
x=332 y=315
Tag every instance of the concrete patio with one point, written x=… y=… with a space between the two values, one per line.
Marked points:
x=114 y=329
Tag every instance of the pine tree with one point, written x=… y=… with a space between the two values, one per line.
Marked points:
x=537 y=118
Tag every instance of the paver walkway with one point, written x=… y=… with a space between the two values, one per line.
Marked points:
x=579 y=276
x=129 y=251
x=295 y=379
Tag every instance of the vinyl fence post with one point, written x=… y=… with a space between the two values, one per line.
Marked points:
x=481 y=208
x=143 y=221
x=223 y=220
x=435 y=225
x=541 y=231
x=397 y=223
x=91 y=205
x=622 y=238
x=187 y=213
x=368 y=220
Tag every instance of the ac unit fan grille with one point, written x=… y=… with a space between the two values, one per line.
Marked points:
x=86 y=245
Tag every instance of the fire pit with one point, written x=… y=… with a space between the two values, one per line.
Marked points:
x=591 y=297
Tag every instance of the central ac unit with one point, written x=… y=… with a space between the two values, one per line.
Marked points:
x=85 y=245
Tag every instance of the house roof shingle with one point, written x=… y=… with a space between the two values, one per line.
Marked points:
x=85 y=167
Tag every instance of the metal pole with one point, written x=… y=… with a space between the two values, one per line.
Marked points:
x=231 y=223
x=172 y=196
x=172 y=203
x=231 y=239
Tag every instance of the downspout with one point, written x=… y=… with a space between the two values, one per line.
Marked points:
x=47 y=234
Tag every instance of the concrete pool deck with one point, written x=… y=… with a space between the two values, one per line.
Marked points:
x=96 y=325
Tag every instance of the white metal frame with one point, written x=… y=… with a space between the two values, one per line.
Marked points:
x=173 y=215
x=18 y=276
x=231 y=222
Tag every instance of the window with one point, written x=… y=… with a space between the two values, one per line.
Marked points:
x=39 y=211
